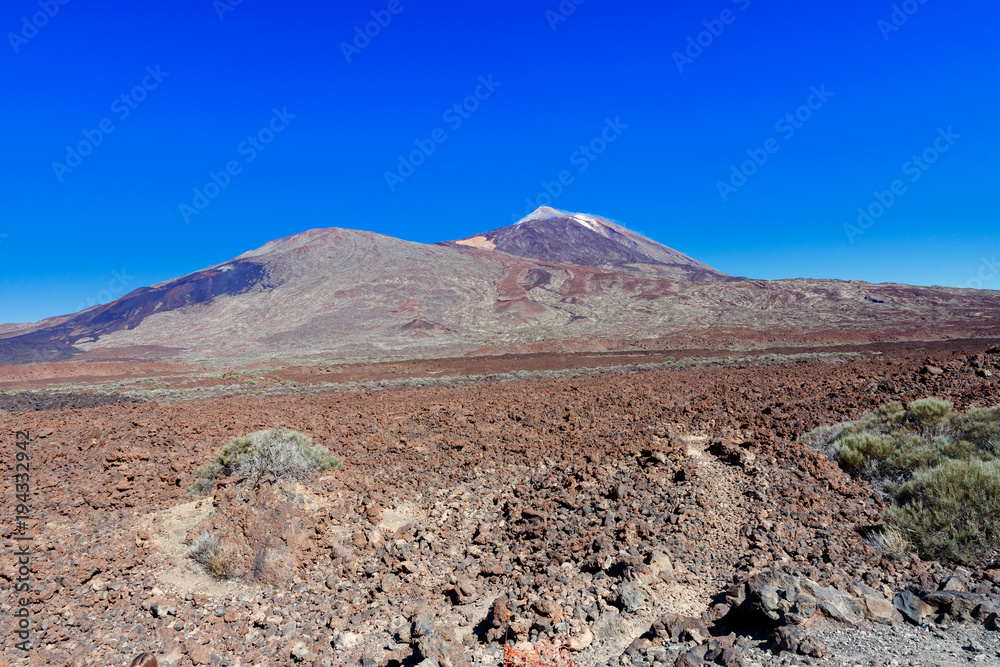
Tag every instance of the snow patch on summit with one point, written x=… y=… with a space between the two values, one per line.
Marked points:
x=549 y=213
x=542 y=213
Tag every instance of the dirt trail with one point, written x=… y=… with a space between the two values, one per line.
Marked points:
x=724 y=490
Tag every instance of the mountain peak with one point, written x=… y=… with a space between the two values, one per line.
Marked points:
x=543 y=213
x=551 y=235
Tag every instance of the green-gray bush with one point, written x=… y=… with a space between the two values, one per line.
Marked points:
x=981 y=427
x=892 y=412
x=952 y=510
x=854 y=450
x=928 y=412
x=940 y=469
x=889 y=540
x=202 y=546
x=283 y=453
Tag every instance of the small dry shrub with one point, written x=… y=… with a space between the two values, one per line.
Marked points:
x=854 y=450
x=220 y=564
x=207 y=550
x=981 y=427
x=202 y=546
x=888 y=540
x=928 y=412
x=281 y=453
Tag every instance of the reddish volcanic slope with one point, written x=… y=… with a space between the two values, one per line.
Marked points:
x=333 y=294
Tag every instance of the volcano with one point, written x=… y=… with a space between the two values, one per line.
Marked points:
x=550 y=235
x=555 y=281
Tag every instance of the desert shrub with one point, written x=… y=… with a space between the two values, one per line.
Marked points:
x=202 y=546
x=928 y=412
x=220 y=564
x=207 y=550
x=892 y=412
x=823 y=437
x=856 y=449
x=911 y=452
x=981 y=427
x=888 y=540
x=939 y=469
x=952 y=510
x=281 y=453
x=953 y=448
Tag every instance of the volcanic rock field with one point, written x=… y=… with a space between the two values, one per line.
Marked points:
x=639 y=515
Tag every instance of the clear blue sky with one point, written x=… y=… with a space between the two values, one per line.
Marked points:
x=65 y=230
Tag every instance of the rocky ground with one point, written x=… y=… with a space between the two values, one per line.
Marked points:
x=661 y=516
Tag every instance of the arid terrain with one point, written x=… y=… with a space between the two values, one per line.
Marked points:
x=556 y=434
x=647 y=507
x=514 y=334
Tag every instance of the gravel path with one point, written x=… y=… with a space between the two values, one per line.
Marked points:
x=896 y=646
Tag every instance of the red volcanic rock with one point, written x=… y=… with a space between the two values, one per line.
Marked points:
x=562 y=508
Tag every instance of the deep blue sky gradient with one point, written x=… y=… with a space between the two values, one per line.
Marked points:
x=119 y=209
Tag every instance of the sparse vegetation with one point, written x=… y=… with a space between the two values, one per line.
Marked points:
x=940 y=470
x=207 y=550
x=282 y=453
x=889 y=540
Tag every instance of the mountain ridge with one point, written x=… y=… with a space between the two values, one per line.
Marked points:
x=332 y=293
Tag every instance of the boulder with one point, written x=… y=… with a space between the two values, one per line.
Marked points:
x=836 y=605
x=774 y=599
x=693 y=658
x=912 y=607
x=880 y=610
x=638 y=646
x=464 y=591
x=677 y=628
x=955 y=583
x=581 y=640
x=499 y=619
x=959 y=606
x=792 y=639
x=547 y=609
x=631 y=597
x=660 y=566
x=437 y=643
x=731 y=657
x=719 y=651
x=199 y=654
